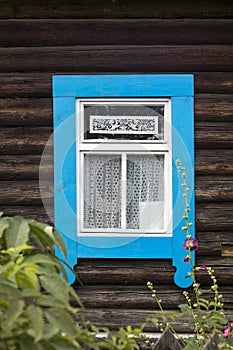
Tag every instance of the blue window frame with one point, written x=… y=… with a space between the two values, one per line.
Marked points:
x=66 y=91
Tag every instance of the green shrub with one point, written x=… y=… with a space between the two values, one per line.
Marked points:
x=35 y=309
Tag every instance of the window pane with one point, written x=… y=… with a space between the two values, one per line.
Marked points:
x=124 y=122
x=145 y=192
x=102 y=191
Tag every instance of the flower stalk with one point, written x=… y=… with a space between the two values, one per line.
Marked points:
x=207 y=316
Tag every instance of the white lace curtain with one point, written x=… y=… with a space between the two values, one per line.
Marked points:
x=102 y=190
x=145 y=188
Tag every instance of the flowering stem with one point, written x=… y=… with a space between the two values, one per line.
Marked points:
x=191 y=244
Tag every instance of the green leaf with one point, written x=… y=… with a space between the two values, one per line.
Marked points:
x=27 y=278
x=4 y=223
x=28 y=293
x=40 y=258
x=50 y=301
x=50 y=233
x=62 y=320
x=28 y=343
x=60 y=243
x=13 y=312
x=8 y=289
x=65 y=343
x=43 y=241
x=49 y=331
x=203 y=303
x=17 y=233
x=56 y=286
x=35 y=316
x=45 y=345
x=74 y=294
x=48 y=261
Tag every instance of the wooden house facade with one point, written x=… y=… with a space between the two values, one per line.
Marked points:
x=39 y=39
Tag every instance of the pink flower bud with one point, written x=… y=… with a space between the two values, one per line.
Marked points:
x=226 y=333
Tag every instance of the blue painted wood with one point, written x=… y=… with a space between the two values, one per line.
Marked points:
x=134 y=85
x=65 y=90
x=183 y=148
x=128 y=247
x=65 y=176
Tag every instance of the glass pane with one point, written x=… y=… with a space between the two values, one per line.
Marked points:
x=124 y=122
x=145 y=192
x=102 y=191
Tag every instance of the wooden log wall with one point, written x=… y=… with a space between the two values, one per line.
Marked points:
x=40 y=39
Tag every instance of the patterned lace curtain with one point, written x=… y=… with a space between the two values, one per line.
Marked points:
x=102 y=191
x=144 y=193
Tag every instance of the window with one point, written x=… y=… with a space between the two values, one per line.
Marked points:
x=117 y=192
x=123 y=166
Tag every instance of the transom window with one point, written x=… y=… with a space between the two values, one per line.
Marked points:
x=124 y=166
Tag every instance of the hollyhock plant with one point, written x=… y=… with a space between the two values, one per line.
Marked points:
x=207 y=316
x=191 y=244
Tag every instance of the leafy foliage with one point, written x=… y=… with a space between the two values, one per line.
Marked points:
x=35 y=309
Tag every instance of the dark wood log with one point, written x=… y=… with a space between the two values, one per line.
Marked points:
x=213 y=82
x=118 y=58
x=38 y=111
x=221 y=262
x=227 y=249
x=18 y=33
x=130 y=297
x=25 y=140
x=23 y=168
x=39 y=85
x=207 y=189
x=214 y=189
x=139 y=297
x=26 y=85
x=214 y=217
x=124 y=272
x=214 y=243
x=213 y=162
x=209 y=135
x=20 y=168
x=139 y=272
x=213 y=107
x=212 y=220
x=32 y=140
x=26 y=167
x=116 y=318
x=119 y=9
x=108 y=317
x=37 y=213
x=26 y=112
x=25 y=193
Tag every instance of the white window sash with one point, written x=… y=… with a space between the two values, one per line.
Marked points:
x=124 y=148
